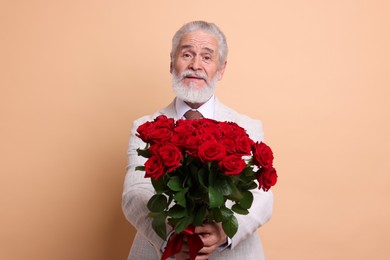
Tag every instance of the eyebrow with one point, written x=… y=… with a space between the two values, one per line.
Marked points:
x=187 y=46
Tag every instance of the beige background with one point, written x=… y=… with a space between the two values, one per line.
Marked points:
x=75 y=74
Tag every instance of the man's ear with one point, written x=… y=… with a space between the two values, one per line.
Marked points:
x=222 y=71
x=171 y=64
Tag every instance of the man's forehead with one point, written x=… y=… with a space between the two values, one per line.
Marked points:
x=192 y=47
x=199 y=39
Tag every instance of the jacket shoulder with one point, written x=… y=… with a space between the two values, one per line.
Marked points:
x=254 y=127
x=169 y=111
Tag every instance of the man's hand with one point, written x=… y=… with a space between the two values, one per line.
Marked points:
x=212 y=236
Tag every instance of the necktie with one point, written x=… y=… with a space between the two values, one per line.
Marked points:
x=193 y=114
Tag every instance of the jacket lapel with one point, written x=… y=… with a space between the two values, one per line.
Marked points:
x=170 y=111
x=222 y=112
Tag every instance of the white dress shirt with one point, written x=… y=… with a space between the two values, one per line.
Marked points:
x=207 y=109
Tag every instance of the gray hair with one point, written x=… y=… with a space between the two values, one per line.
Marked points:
x=206 y=27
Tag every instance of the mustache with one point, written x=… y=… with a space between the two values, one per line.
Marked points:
x=197 y=74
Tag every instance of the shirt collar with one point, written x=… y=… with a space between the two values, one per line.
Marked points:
x=207 y=109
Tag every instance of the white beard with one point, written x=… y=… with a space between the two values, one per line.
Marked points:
x=191 y=93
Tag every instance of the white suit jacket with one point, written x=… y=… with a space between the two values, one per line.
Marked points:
x=147 y=244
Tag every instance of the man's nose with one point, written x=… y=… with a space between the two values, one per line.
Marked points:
x=196 y=63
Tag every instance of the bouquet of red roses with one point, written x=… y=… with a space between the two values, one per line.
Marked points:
x=195 y=166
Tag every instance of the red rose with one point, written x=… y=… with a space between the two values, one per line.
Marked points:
x=182 y=132
x=163 y=122
x=206 y=138
x=231 y=130
x=237 y=129
x=232 y=165
x=226 y=130
x=169 y=154
x=211 y=151
x=229 y=145
x=267 y=178
x=192 y=145
x=209 y=127
x=154 y=167
x=160 y=130
x=159 y=135
x=243 y=145
x=262 y=155
x=181 y=122
x=204 y=122
x=179 y=139
x=144 y=131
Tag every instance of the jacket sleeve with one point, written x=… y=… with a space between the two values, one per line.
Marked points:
x=138 y=190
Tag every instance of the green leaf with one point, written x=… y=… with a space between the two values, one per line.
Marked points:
x=173 y=221
x=248 y=171
x=175 y=184
x=200 y=216
x=239 y=209
x=157 y=203
x=235 y=195
x=252 y=185
x=221 y=214
x=202 y=177
x=177 y=211
x=211 y=174
x=223 y=186
x=140 y=168
x=230 y=226
x=183 y=223
x=180 y=197
x=215 y=197
x=143 y=152
x=159 y=185
x=247 y=199
x=158 y=225
x=226 y=214
x=216 y=215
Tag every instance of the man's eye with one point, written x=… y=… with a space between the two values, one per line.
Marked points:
x=207 y=58
x=187 y=55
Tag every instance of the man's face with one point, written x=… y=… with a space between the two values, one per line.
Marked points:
x=195 y=65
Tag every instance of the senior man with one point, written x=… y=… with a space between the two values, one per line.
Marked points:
x=198 y=62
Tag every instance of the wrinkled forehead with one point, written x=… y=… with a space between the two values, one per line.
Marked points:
x=199 y=40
